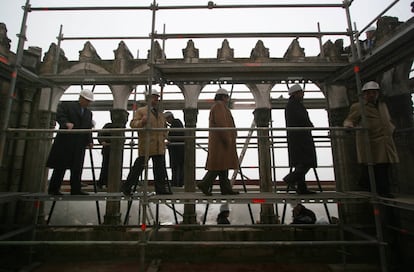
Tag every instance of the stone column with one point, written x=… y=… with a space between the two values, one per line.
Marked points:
x=190 y=119
x=191 y=93
x=262 y=119
x=119 y=117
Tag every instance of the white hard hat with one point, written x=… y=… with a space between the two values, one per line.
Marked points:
x=87 y=94
x=295 y=88
x=371 y=28
x=224 y=208
x=153 y=92
x=371 y=85
x=222 y=91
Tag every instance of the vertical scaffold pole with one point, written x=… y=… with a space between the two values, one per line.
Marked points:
x=11 y=93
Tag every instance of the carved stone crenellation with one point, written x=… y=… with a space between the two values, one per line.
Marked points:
x=88 y=53
x=190 y=53
x=260 y=52
x=294 y=51
x=225 y=53
x=4 y=40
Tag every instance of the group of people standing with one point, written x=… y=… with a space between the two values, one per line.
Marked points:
x=68 y=149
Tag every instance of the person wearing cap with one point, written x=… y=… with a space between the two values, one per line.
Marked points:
x=175 y=145
x=149 y=116
x=301 y=147
x=223 y=216
x=369 y=42
x=68 y=149
x=380 y=134
x=222 y=153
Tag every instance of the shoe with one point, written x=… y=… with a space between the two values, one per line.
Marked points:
x=291 y=185
x=305 y=192
x=57 y=193
x=203 y=188
x=79 y=193
x=126 y=190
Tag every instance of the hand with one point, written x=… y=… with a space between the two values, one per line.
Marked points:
x=69 y=125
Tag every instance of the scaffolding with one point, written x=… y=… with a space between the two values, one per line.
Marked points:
x=196 y=73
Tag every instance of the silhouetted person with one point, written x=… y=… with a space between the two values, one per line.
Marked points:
x=68 y=149
x=175 y=147
x=301 y=148
x=105 y=140
x=223 y=216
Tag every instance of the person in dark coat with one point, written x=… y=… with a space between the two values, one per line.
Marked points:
x=222 y=153
x=301 y=148
x=223 y=216
x=105 y=140
x=303 y=215
x=68 y=149
x=175 y=147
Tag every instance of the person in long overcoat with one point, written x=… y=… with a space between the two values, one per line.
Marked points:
x=380 y=134
x=222 y=153
x=68 y=149
x=175 y=147
x=154 y=141
x=301 y=147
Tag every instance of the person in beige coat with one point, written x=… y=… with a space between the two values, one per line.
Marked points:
x=156 y=146
x=380 y=134
x=222 y=153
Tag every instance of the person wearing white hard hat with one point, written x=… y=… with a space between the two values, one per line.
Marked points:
x=380 y=135
x=369 y=42
x=151 y=117
x=223 y=216
x=68 y=149
x=301 y=147
x=222 y=153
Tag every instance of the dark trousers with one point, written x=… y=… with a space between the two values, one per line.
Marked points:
x=103 y=177
x=159 y=171
x=298 y=176
x=57 y=179
x=177 y=171
x=381 y=173
x=211 y=176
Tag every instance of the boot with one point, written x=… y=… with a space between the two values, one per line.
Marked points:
x=225 y=188
x=302 y=189
x=206 y=184
x=290 y=182
x=163 y=189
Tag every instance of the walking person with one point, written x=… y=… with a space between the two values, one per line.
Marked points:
x=222 y=153
x=380 y=135
x=301 y=147
x=68 y=149
x=156 y=146
x=175 y=145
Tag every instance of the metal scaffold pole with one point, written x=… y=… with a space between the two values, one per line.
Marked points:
x=11 y=95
